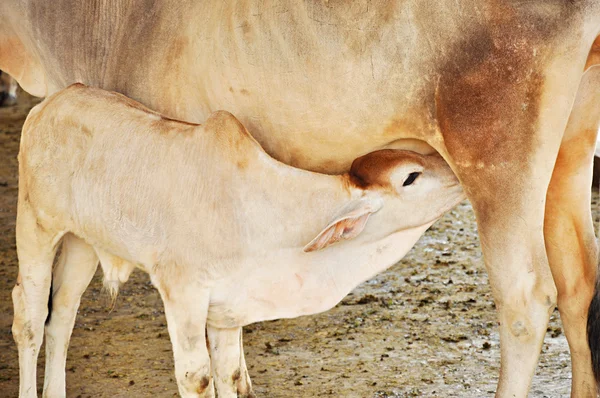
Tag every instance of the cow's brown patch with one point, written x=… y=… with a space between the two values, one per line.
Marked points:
x=487 y=101
x=492 y=92
x=488 y=94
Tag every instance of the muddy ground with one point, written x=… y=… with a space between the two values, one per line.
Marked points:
x=426 y=327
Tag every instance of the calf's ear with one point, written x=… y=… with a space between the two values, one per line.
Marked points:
x=347 y=224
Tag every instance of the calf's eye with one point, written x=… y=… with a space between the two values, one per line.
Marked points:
x=411 y=178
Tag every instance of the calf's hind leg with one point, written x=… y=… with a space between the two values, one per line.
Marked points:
x=71 y=276
x=186 y=309
x=228 y=363
x=36 y=248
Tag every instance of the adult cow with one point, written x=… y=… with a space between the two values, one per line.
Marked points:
x=489 y=84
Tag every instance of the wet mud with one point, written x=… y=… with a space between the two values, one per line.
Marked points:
x=426 y=327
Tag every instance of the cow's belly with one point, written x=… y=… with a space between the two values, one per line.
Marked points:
x=308 y=111
x=328 y=143
x=323 y=131
x=315 y=101
x=316 y=95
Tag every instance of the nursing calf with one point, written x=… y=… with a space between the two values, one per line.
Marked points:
x=228 y=235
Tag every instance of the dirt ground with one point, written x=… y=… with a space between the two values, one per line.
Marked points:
x=426 y=327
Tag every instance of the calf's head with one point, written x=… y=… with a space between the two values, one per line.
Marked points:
x=415 y=190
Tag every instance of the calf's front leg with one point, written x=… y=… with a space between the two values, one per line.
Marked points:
x=228 y=363
x=186 y=309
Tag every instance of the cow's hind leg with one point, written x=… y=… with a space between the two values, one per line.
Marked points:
x=36 y=248
x=228 y=363
x=569 y=230
x=186 y=309
x=71 y=276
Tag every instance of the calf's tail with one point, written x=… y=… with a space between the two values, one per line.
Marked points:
x=50 y=303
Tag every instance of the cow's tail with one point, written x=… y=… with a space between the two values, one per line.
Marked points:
x=593 y=330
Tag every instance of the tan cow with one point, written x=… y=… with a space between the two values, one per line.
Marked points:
x=229 y=235
x=489 y=84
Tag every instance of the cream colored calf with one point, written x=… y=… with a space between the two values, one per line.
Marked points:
x=228 y=235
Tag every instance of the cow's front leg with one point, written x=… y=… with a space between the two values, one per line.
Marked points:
x=509 y=205
x=186 y=308
x=508 y=198
x=522 y=286
x=502 y=119
x=228 y=363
